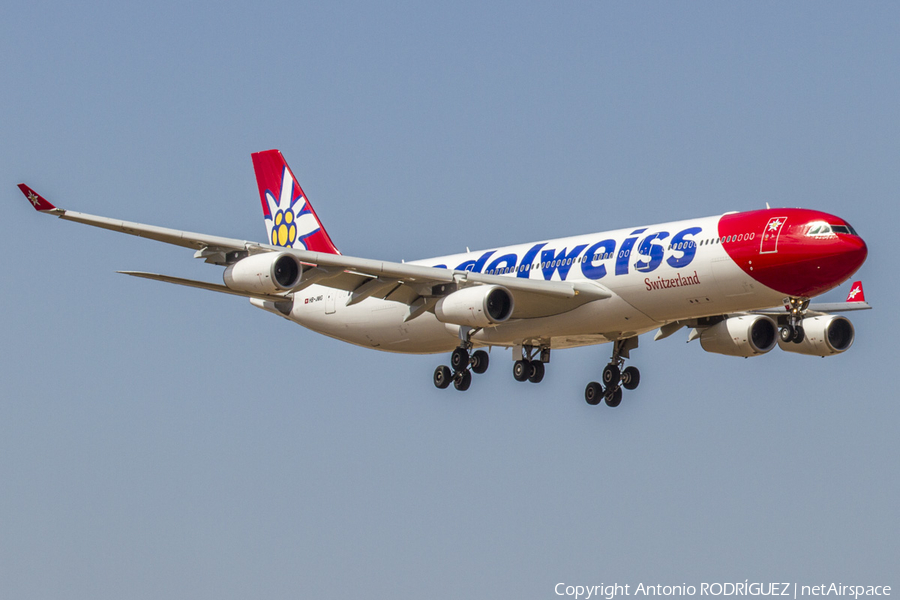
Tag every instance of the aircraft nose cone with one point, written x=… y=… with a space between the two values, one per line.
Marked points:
x=850 y=256
x=857 y=251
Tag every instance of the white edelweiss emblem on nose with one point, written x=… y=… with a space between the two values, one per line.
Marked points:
x=290 y=220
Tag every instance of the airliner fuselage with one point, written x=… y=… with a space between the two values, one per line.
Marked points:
x=740 y=282
x=659 y=274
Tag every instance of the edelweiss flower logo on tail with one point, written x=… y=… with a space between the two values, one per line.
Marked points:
x=289 y=221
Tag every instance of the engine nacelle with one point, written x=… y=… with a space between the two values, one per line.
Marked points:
x=476 y=306
x=746 y=335
x=823 y=336
x=268 y=273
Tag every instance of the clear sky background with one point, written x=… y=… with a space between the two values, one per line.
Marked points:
x=164 y=442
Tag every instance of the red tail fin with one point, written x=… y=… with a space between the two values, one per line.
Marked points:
x=856 y=293
x=291 y=221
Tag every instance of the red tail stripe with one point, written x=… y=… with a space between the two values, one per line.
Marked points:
x=270 y=167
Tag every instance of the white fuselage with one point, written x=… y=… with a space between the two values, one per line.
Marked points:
x=684 y=273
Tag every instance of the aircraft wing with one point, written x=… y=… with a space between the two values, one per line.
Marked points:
x=856 y=300
x=817 y=309
x=410 y=284
x=830 y=307
x=161 y=234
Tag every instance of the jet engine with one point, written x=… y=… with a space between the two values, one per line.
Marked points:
x=746 y=335
x=268 y=273
x=823 y=336
x=476 y=306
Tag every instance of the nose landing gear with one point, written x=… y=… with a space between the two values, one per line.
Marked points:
x=793 y=330
x=614 y=376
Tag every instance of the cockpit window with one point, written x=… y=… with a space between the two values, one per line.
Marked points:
x=818 y=228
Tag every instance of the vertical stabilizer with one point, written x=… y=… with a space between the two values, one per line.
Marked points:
x=291 y=221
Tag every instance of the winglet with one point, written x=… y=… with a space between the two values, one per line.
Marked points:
x=39 y=202
x=856 y=293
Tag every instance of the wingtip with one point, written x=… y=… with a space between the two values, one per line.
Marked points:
x=856 y=292
x=39 y=202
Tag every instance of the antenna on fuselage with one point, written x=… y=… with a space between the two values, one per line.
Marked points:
x=768 y=207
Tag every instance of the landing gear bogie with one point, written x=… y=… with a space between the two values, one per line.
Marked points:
x=462 y=365
x=615 y=376
x=531 y=365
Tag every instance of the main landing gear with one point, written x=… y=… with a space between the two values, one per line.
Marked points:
x=614 y=377
x=462 y=364
x=531 y=366
x=793 y=330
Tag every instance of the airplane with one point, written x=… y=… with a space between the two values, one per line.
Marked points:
x=740 y=282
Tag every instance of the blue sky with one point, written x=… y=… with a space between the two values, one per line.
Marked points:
x=165 y=442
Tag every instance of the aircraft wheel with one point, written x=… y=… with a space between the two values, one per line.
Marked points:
x=521 y=370
x=480 y=361
x=631 y=378
x=537 y=372
x=459 y=360
x=786 y=333
x=799 y=334
x=462 y=380
x=593 y=393
x=442 y=377
x=611 y=376
x=614 y=398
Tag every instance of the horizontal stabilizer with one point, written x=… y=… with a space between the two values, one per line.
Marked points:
x=203 y=285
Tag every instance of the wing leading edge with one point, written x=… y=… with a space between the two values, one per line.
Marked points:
x=363 y=277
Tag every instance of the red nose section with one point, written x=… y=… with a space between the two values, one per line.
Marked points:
x=798 y=252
